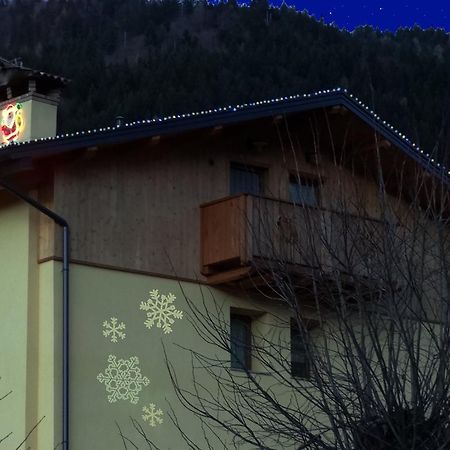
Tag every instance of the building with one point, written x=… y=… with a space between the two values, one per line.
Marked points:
x=159 y=211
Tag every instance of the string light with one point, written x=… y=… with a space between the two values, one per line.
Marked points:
x=234 y=108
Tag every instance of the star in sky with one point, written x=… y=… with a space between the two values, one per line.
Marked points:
x=384 y=14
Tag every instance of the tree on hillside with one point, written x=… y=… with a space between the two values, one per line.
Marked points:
x=113 y=49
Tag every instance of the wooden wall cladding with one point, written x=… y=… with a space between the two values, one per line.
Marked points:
x=137 y=206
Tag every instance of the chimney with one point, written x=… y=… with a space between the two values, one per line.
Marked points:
x=29 y=102
x=120 y=121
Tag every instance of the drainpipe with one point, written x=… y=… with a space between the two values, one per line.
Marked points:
x=66 y=241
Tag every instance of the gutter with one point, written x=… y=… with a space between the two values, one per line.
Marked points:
x=66 y=248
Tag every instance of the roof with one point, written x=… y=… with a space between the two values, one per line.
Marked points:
x=12 y=70
x=227 y=115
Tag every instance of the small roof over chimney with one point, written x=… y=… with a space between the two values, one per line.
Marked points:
x=17 y=80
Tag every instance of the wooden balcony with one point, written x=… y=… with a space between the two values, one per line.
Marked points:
x=245 y=234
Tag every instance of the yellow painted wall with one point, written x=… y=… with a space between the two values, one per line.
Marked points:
x=49 y=377
x=30 y=333
x=18 y=308
x=97 y=296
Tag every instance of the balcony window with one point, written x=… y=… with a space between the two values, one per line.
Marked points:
x=240 y=341
x=303 y=190
x=300 y=366
x=246 y=179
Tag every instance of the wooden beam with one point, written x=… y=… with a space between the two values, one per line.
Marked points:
x=338 y=109
x=382 y=143
x=278 y=118
x=228 y=276
x=217 y=129
x=14 y=167
x=155 y=140
x=256 y=281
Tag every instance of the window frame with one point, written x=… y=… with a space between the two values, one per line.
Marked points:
x=249 y=168
x=305 y=372
x=305 y=179
x=247 y=345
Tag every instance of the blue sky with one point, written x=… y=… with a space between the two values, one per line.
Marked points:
x=383 y=14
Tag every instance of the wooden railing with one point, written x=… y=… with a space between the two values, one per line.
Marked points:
x=238 y=232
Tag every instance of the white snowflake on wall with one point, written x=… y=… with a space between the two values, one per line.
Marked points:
x=123 y=379
x=114 y=329
x=152 y=415
x=160 y=309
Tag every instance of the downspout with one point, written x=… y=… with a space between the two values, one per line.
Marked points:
x=66 y=247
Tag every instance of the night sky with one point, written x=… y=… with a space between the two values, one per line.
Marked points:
x=386 y=15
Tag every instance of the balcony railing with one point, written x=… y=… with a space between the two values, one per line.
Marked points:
x=245 y=232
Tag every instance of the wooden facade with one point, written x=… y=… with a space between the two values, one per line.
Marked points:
x=141 y=206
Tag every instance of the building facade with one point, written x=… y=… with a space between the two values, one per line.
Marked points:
x=162 y=213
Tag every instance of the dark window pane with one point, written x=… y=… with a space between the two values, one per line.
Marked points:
x=299 y=355
x=303 y=191
x=245 y=180
x=240 y=331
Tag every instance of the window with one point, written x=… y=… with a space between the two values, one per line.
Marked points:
x=241 y=338
x=300 y=366
x=246 y=179
x=304 y=190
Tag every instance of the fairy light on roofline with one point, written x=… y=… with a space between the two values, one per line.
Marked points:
x=243 y=106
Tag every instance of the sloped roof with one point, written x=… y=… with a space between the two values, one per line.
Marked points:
x=11 y=69
x=227 y=115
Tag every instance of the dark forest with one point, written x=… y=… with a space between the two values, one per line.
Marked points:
x=142 y=59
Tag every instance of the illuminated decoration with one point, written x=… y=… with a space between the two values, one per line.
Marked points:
x=12 y=122
x=424 y=157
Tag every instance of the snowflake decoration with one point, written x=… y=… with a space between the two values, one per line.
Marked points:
x=114 y=329
x=152 y=415
x=160 y=309
x=123 y=379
